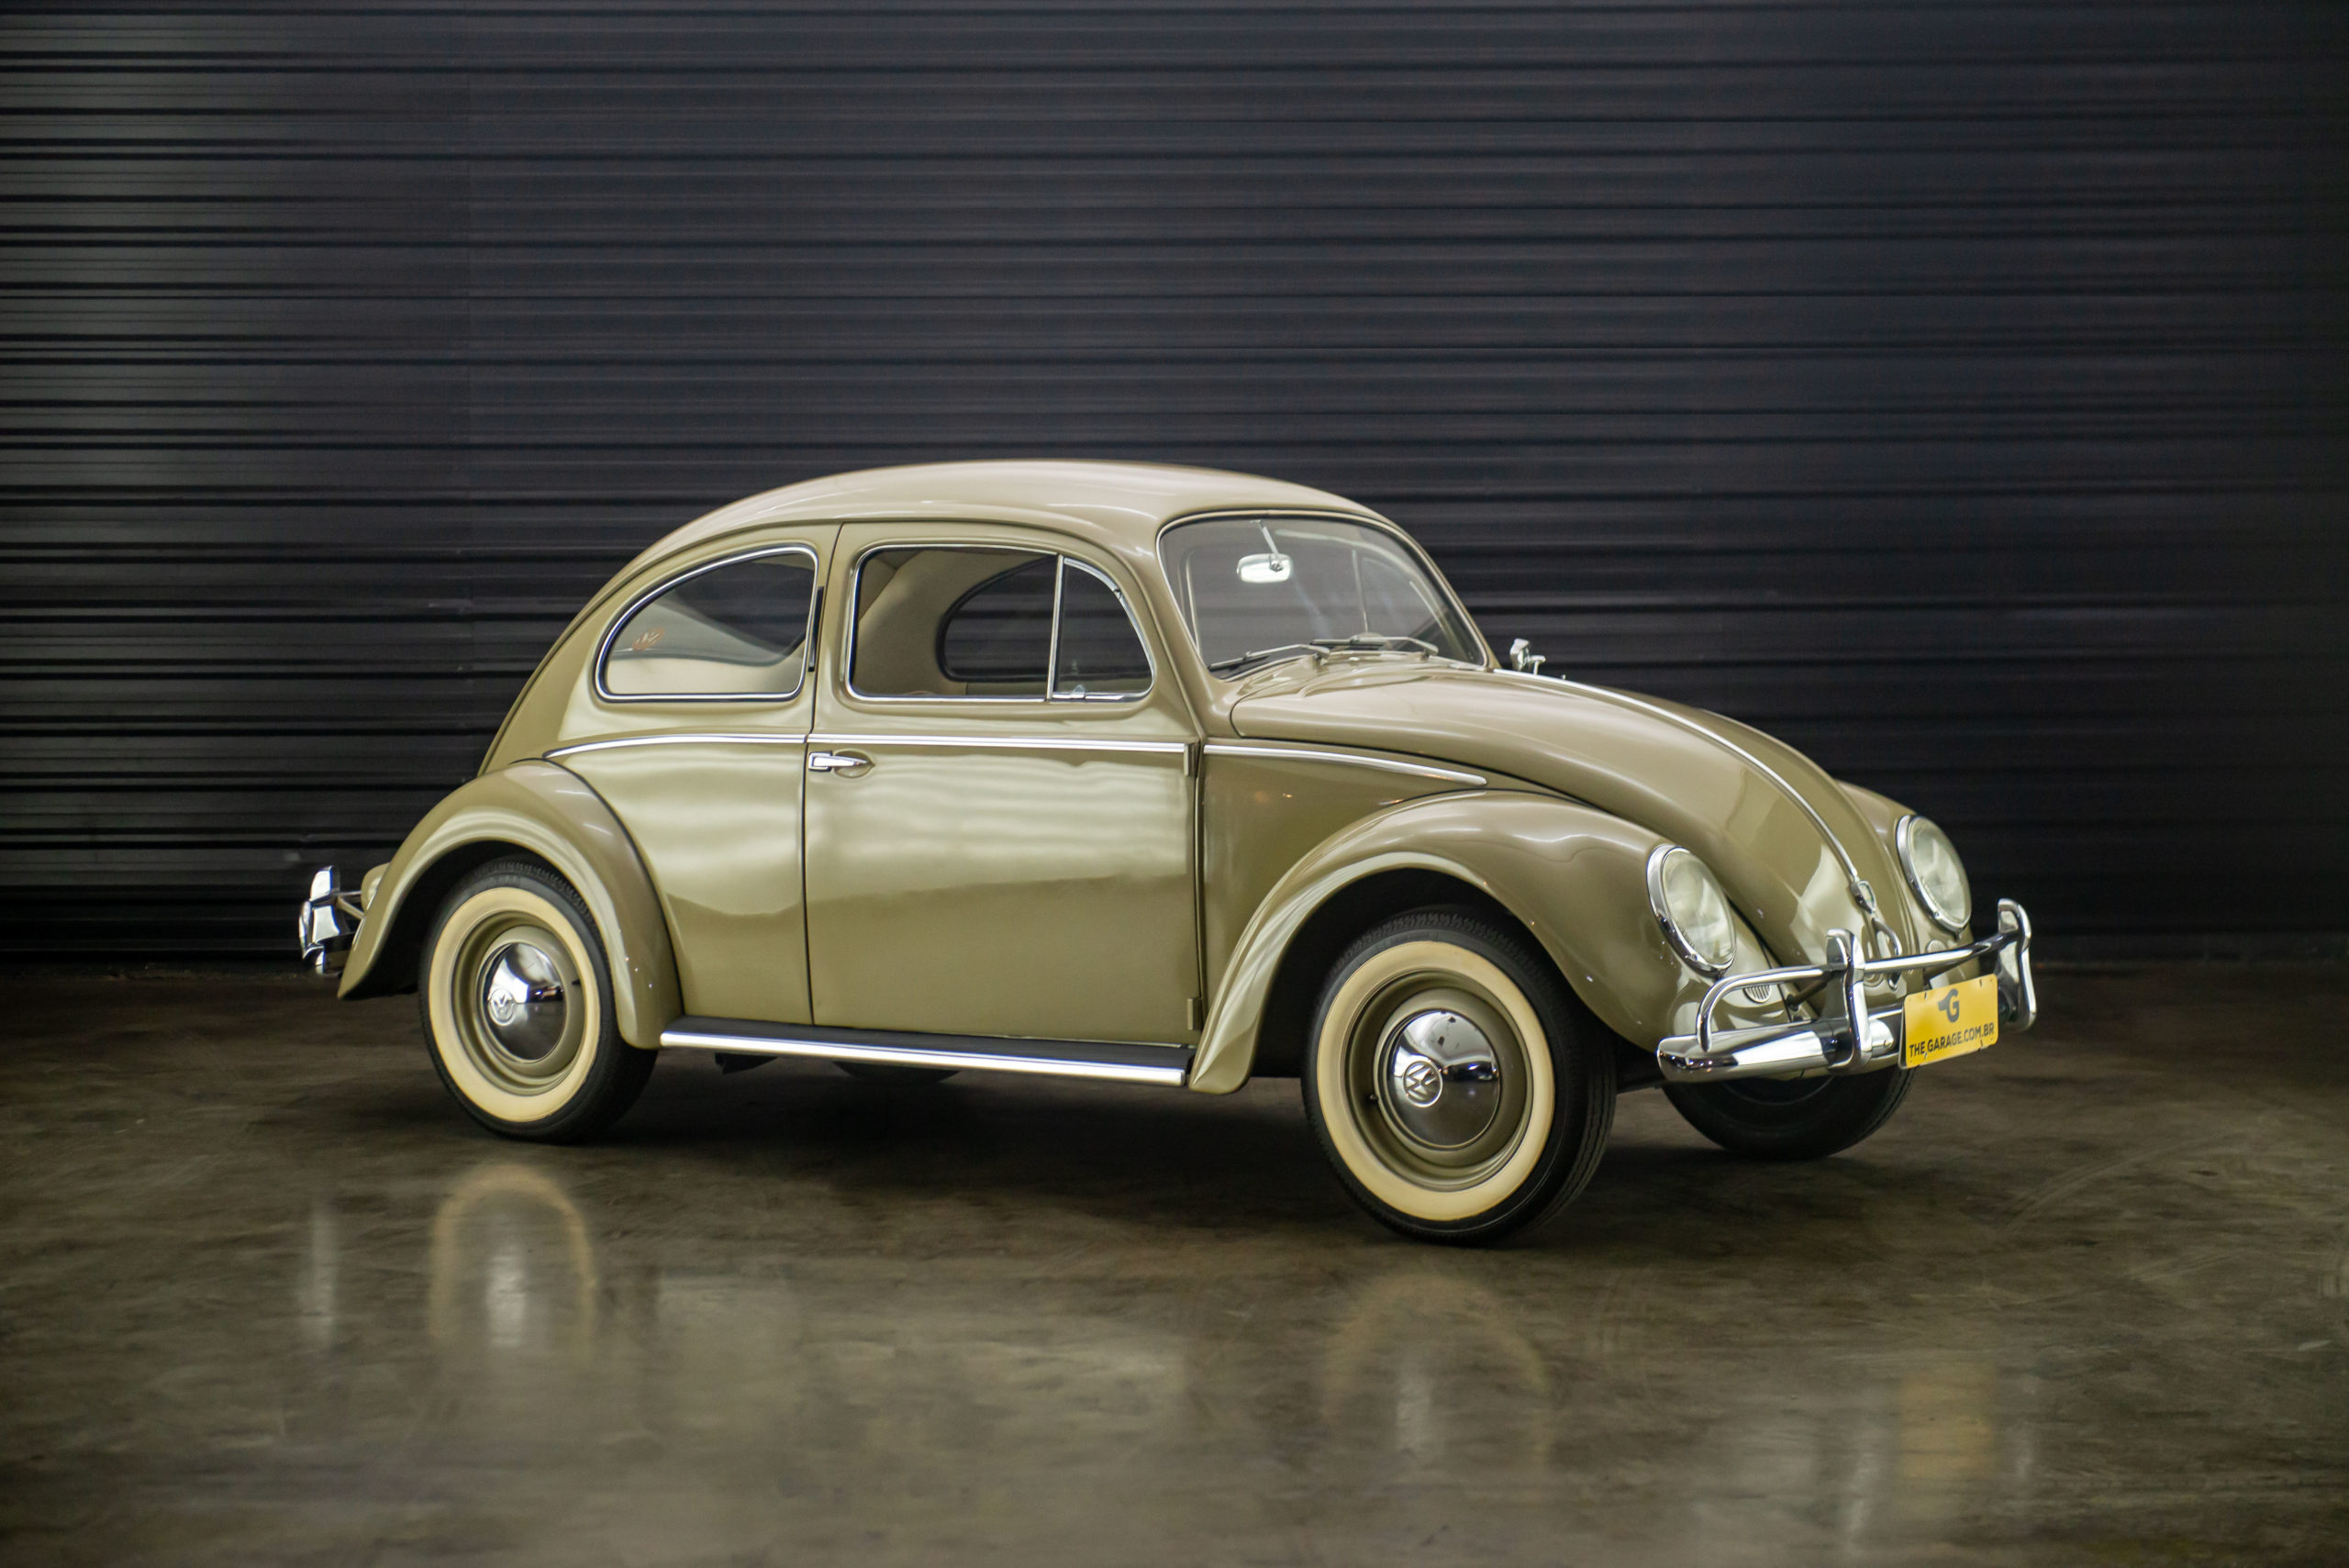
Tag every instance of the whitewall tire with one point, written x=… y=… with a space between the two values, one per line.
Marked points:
x=516 y=998
x=1460 y=1090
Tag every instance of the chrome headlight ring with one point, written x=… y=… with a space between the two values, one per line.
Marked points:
x=1935 y=874
x=1692 y=910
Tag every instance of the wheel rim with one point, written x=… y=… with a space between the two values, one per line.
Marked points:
x=514 y=1004
x=1437 y=1079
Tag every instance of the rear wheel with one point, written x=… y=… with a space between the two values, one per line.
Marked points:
x=516 y=998
x=1459 y=1089
x=1791 y=1118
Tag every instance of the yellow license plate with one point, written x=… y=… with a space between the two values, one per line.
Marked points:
x=1949 y=1020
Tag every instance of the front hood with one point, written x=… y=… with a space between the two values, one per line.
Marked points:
x=1772 y=826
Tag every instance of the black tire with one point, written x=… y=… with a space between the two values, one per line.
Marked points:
x=559 y=991
x=1799 y=1118
x=1547 y=1100
x=895 y=1075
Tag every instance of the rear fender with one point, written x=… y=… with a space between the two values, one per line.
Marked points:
x=550 y=812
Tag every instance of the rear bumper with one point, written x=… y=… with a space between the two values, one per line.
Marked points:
x=1830 y=1041
x=328 y=919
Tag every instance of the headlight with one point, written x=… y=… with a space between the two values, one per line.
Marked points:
x=1692 y=909
x=1935 y=874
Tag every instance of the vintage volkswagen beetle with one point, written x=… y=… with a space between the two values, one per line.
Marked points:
x=1169 y=776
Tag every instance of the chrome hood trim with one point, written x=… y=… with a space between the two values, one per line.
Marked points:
x=1862 y=891
x=1790 y=845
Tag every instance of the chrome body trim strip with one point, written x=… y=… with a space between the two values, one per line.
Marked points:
x=1711 y=1055
x=997 y=742
x=1305 y=754
x=807 y=641
x=1005 y=743
x=682 y=738
x=1166 y=1066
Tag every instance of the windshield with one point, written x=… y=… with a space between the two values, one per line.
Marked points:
x=1259 y=589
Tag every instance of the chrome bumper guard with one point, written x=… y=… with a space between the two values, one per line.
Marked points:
x=328 y=919
x=1830 y=1042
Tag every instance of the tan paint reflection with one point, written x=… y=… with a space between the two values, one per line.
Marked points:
x=1420 y=1355
x=1946 y=1423
x=316 y=1293
x=512 y=1270
x=2335 y=1288
x=901 y=1369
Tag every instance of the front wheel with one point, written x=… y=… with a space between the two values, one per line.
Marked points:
x=1459 y=1089
x=1791 y=1118
x=516 y=998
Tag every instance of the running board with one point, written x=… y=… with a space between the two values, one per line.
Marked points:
x=1117 y=1064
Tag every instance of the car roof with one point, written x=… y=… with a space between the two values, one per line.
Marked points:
x=1119 y=505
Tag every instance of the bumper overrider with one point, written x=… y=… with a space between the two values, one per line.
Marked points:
x=328 y=919
x=1831 y=1042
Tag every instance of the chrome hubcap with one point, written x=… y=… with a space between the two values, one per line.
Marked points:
x=523 y=1005
x=1439 y=1078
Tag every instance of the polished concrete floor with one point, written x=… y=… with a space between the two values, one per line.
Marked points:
x=267 y=1297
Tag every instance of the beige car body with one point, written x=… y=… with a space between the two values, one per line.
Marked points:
x=1177 y=869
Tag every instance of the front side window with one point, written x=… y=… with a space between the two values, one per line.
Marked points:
x=1259 y=589
x=941 y=621
x=737 y=629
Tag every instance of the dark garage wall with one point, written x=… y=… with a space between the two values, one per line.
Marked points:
x=1956 y=390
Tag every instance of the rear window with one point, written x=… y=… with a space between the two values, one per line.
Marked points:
x=736 y=629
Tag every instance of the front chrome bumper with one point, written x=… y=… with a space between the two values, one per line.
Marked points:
x=328 y=919
x=1830 y=1041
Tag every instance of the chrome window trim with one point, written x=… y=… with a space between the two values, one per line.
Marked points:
x=1392 y=765
x=1411 y=546
x=1662 y=911
x=712 y=739
x=807 y=639
x=1007 y=742
x=1901 y=833
x=856 y=595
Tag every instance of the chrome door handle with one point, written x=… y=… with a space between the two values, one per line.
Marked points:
x=847 y=764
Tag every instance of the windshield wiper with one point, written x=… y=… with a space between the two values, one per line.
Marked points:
x=1239 y=662
x=1377 y=641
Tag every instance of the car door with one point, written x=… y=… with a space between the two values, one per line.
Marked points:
x=1001 y=819
x=691 y=722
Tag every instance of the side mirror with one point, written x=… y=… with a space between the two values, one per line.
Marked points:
x=1522 y=657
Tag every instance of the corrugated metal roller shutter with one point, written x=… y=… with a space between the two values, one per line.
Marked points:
x=1955 y=390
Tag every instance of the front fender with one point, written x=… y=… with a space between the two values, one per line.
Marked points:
x=552 y=813
x=1575 y=876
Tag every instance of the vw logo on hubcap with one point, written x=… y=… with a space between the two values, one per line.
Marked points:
x=1421 y=1080
x=1440 y=1079
x=523 y=1002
